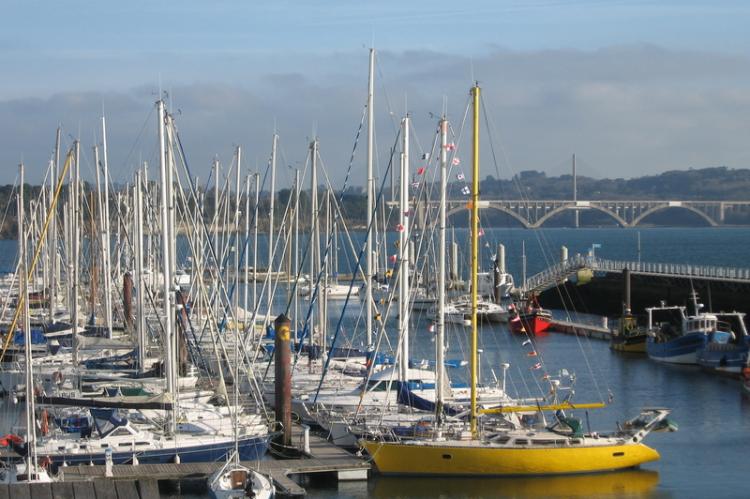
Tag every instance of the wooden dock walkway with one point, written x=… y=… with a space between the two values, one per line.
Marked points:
x=324 y=457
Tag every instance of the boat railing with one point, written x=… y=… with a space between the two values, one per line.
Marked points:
x=564 y=270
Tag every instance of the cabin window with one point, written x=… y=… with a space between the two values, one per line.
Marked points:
x=618 y=454
x=447 y=456
x=521 y=441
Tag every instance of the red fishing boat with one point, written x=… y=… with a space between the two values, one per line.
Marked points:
x=532 y=319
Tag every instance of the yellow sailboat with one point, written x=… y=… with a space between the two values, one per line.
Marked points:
x=495 y=444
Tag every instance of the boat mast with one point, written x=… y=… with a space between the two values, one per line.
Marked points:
x=439 y=357
x=403 y=250
x=141 y=287
x=246 y=246
x=256 y=176
x=237 y=211
x=475 y=92
x=76 y=242
x=314 y=241
x=297 y=205
x=269 y=271
x=370 y=187
x=166 y=257
x=105 y=235
x=24 y=294
x=54 y=276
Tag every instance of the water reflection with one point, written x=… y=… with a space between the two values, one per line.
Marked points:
x=632 y=483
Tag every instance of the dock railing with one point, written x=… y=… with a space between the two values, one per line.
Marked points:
x=564 y=270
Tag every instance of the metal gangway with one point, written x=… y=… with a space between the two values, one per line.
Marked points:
x=564 y=270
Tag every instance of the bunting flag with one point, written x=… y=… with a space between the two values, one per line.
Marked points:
x=407 y=213
x=420 y=170
x=532 y=353
x=431 y=327
x=481 y=232
x=465 y=190
x=518 y=319
x=399 y=227
x=425 y=156
x=456 y=161
x=545 y=377
x=394 y=258
x=527 y=342
x=460 y=176
x=450 y=146
x=415 y=185
x=536 y=366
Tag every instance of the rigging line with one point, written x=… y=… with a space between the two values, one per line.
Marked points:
x=207 y=235
x=37 y=252
x=349 y=292
x=544 y=245
x=135 y=143
x=335 y=221
x=388 y=106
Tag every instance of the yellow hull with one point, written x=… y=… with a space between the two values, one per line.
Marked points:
x=441 y=458
x=629 y=347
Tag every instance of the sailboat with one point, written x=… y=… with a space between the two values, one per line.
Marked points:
x=234 y=480
x=486 y=445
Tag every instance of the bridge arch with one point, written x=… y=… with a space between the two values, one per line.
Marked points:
x=667 y=206
x=560 y=209
x=522 y=220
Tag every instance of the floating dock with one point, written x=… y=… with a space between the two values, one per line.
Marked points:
x=128 y=482
x=581 y=329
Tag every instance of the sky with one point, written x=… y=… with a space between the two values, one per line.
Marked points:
x=632 y=87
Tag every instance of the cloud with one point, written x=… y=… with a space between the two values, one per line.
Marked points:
x=625 y=111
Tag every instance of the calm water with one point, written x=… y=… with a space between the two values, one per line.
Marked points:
x=705 y=458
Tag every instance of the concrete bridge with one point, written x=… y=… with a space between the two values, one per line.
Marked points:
x=627 y=213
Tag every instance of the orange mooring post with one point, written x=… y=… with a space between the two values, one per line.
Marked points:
x=283 y=382
x=127 y=299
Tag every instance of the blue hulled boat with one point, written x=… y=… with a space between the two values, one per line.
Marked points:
x=674 y=337
x=726 y=350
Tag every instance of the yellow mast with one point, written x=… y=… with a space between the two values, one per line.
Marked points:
x=475 y=91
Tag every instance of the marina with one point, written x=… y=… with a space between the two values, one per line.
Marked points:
x=365 y=296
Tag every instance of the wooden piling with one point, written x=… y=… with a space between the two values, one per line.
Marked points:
x=283 y=375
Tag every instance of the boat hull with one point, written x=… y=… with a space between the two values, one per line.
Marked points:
x=724 y=359
x=434 y=458
x=629 y=344
x=250 y=448
x=680 y=350
x=531 y=324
